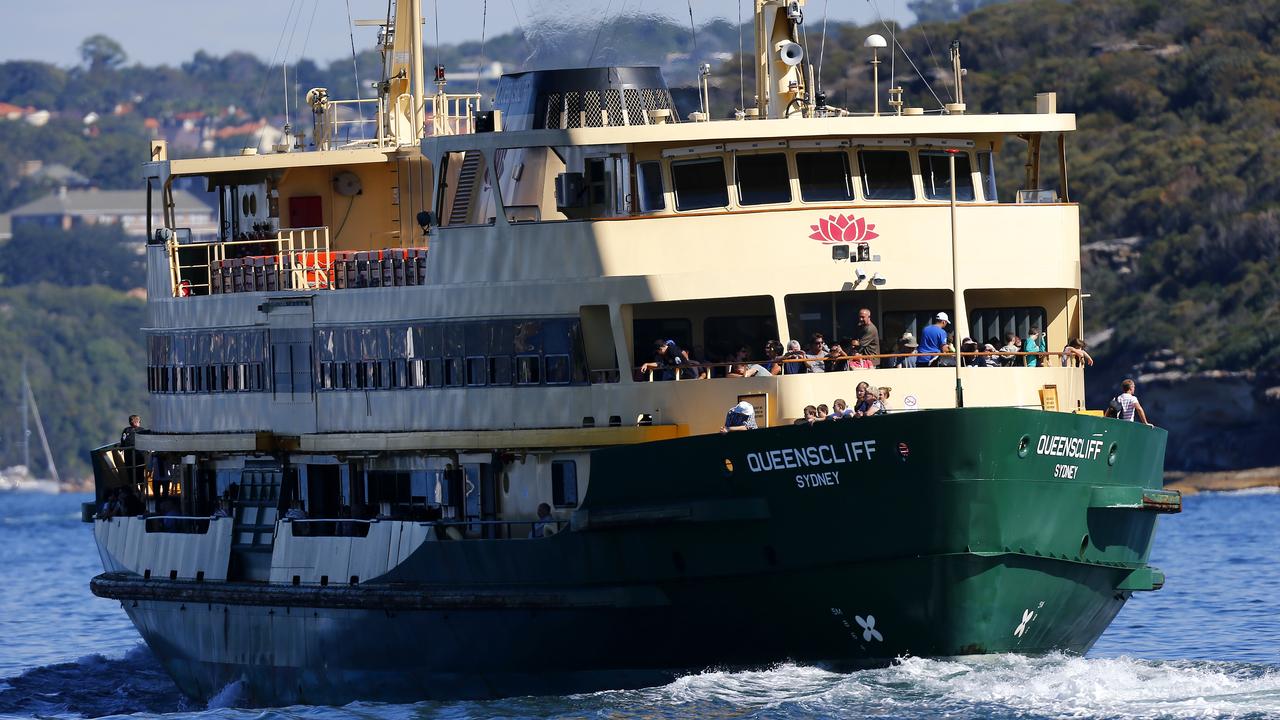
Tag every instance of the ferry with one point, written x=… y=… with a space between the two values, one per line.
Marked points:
x=408 y=439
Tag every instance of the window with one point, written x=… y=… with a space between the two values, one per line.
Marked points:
x=558 y=370
x=454 y=375
x=886 y=175
x=991 y=324
x=824 y=176
x=564 y=483
x=500 y=370
x=650 y=196
x=699 y=184
x=762 y=179
x=935 y=172
x=987 y=171
x=477 y=371
x=528 y=370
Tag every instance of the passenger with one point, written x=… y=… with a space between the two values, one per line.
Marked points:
x=933 y=338
x=817 y=354
x=810 y=416
x=838 y=358
x=884 y=400
x=130 y=504
x=740 y=417
x=130 y=430
x=1075 y=354
x=823 y=411
x=1012 y=345
x=741 y=368
x=868 y=341
x=545 y=525
x=224 y=508
x=794 y=353
x=668 y=359
x=1128 y=406
x=869 y=403
x=969 y=346
x=296 y=511
x=1035 y=343
x=697 y=363
x=839 y=410
x=772 y=352
x=107 y=509
x=991 y=359
x=906 y=346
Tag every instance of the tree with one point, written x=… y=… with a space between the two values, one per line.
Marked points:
x=100 y=52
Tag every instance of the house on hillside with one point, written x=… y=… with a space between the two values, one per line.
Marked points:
x=6 y=230
x=53 y=173
x=67 y=209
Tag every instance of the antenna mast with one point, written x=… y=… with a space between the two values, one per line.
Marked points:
x=782 y=87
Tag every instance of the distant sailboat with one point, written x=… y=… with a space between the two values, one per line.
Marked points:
x=19 y=478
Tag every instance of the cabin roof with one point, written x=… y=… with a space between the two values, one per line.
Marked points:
x=729 y=131
x=265 y=162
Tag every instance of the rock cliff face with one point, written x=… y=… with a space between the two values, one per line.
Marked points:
x=1217 y=420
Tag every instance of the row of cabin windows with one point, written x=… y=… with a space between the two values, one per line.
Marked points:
x=824 y=176
x=457 y=354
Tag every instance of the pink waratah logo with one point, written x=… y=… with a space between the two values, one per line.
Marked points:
x=843 y=229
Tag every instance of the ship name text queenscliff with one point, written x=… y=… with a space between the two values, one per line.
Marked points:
x=812 y=456
x=1072 y=447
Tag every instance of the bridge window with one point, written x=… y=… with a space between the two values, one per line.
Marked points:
x=991 y=324
x=762 y=179
x=886 y=175
x=699 y=184
x=649 y=191
x=824 y=176
x=987 y=175
x=935 y=172
x=564 y=483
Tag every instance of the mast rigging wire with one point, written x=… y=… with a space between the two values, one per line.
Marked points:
x=306 y=40
x=267 y=80
x=693 y=30
x=936 y=65
x=355 y=67
x=906 y=54
x=484 y=19
x=600 y=29
x=435 y=12
x=742 y=64
x=524 y=34
x=822 y=47
x=614 y=32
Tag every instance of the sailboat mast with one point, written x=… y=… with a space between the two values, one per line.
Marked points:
x=44 y=439
x=26 y=426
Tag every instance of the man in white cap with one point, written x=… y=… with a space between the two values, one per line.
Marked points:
x=932 y=338
x=741 y=417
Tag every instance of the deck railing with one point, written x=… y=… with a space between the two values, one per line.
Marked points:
x=296 y=258
x=449 y=114
x=707 y=370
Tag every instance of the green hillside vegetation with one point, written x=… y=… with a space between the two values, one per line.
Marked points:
x=86 y=363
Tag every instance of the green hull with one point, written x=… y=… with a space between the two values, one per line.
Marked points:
x=844 y=543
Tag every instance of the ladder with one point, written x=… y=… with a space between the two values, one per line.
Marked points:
x=466 y=184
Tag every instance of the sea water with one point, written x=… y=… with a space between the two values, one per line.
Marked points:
x=1207 y=645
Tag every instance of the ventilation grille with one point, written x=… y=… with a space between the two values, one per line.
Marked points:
x=604 y=108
